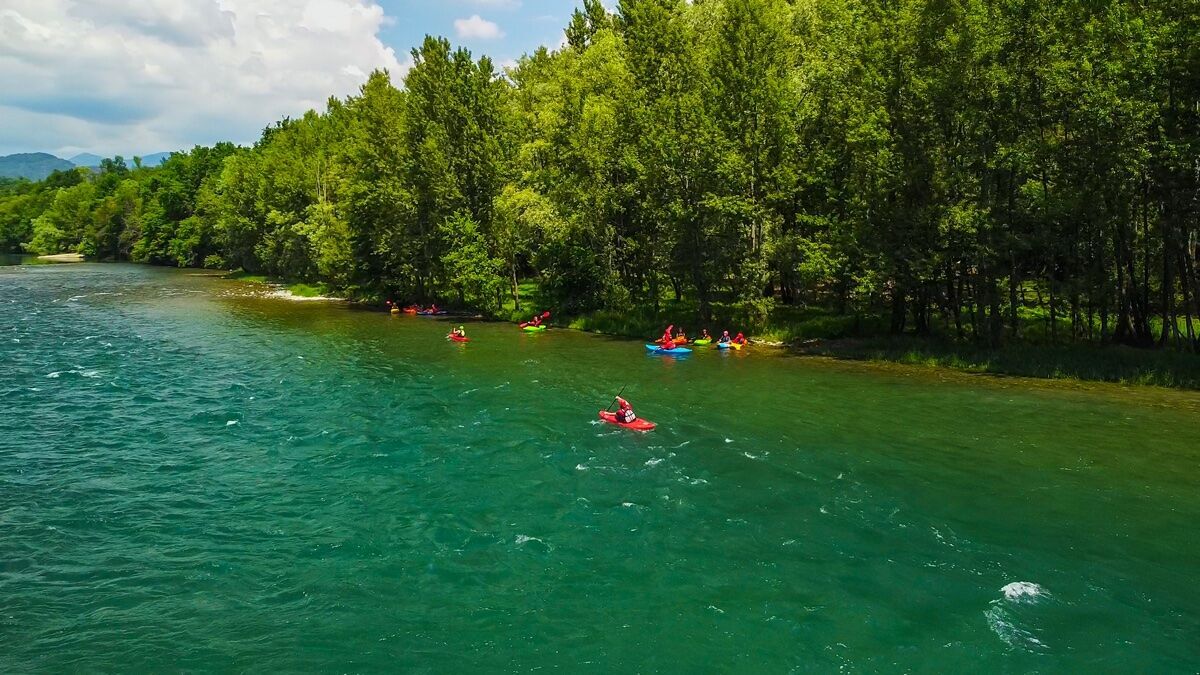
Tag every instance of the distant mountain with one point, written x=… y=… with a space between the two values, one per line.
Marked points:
x=86 y=159
x=155 y=159
x=32 y=165
x=92 y=161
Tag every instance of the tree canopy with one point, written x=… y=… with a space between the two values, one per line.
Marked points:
x=966 y=167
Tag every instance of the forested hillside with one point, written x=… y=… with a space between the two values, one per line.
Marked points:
x=985 y=170
x=31 y=165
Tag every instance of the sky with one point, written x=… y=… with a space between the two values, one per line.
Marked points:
x=134 y=77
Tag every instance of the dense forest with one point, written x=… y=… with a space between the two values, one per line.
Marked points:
x=986 y=170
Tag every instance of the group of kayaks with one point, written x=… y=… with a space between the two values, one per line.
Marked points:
x=679 y=349
x=414 y=310
x=658 y=349
x=536 y=326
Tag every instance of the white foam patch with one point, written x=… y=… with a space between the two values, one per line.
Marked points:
x=231 y=423
x=1022 y=591
x=653 y=461
x=524 y=539
x=1005 y=627
x=284 y=294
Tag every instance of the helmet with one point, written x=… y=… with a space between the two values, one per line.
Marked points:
x=460 y=327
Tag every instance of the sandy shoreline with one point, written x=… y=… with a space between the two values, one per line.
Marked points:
x=63 y=257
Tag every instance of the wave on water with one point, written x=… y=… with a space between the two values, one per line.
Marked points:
x=1022 y=591
x=1004 y=616
x=1005 y=627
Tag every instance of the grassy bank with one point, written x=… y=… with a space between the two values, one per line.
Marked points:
x=1083 y=362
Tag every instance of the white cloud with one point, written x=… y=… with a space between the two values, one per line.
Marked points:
x=139 y=76
x=477 y=27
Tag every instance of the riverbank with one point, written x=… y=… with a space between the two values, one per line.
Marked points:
x=814 y=332
x=1084 y=363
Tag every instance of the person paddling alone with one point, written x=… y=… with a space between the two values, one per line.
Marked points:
x=624 y=411
x=724 y=338
x=739 y=340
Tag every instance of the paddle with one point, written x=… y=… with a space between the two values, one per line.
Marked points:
x=609 y=407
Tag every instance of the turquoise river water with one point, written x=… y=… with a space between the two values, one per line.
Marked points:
x=195 y=475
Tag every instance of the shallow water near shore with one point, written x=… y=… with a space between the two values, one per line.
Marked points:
x=197 y=476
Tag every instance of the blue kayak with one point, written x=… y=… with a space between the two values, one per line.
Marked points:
x=655 y=349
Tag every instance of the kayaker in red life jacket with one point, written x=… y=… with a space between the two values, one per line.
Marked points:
x=536 y=320
x=668 y=342
x=624 y=411
x=724 y=339
x=740 y=339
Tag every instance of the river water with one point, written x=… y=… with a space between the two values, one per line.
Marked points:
x=197 y=476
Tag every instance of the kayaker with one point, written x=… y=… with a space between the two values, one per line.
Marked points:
x=704 y=334
x=681 y=337
x=667 y=341
x=459 y=332
x=739 y=340
x=433 y=309
x=535 y=321
x=624 y=411
x=724 y=338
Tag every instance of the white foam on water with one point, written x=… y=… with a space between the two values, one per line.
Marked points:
x=524 y=539
x=716 y=609
x=55 y=375
x=728 y=440
x=231 y=423
x=749 y=456
x=580 y=467
x=653 y=461
x=1005 y=627
x=628 y=504
x=824 y=510
x=284 y=294
x=1022 y=591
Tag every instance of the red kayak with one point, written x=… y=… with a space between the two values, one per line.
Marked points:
x=458 y=338
x=638 y=424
